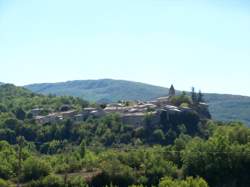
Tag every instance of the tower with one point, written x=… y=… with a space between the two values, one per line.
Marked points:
x=171 y=91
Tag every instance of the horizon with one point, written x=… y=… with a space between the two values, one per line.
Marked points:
x=205 y=44
x=167 y=87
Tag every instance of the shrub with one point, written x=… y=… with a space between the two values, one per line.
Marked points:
x=189 y=182
x=34 y=169
x=5 y=170
x=76 y=181
x=49 y=181
x=4 y=183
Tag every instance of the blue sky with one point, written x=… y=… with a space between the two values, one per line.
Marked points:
x=203 y=43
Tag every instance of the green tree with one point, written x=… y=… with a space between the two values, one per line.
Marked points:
x=200 y=97
x=20 y=114
x=194 y=96
x=76 y=181
x=189 y=182
x=82 y=150
x=35 y=168
x=21 y=142
x=158 y=136
x=4 y=183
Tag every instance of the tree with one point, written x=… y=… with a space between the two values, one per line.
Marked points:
x=48 y=181
x=4 y=183
x=189 y=182
x=52 y=181
x=77 y=181
x=82 y=150
x=114 y=172
x=200 y=97
x=194 y=96
x=7 y=159
x=6 y=169
x=180 y=99
x=171 y=136
x=20 y=141
x=20 y=114
x=158 y=136
x=11 y=123
x=35 y=168
x=157 y=167
x=66 y=131
x=3 y=108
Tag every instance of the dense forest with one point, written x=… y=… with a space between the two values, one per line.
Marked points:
x=180 y=151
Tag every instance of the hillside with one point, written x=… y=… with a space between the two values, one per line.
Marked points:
x=222 y=106
x=12 y=98
x=105 y=90
x=98 y=151
x=229 y=107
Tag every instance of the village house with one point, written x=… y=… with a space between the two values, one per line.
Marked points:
x=78 y=117
x=68 y=114
x=36 y=111
x=51 y=118
x=133 y=114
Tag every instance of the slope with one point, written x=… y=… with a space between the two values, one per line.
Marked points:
x=222 y=106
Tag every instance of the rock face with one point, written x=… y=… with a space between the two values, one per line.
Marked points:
x=203 y=111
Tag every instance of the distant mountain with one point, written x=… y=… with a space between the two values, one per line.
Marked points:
x=222 y=106
x=229 y=107
x=105 y=90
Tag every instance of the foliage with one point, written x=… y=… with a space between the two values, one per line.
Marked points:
x=48 y=181
x=181 y=99
x=76 y=181
x=34 y=168
x=8 y=160
x=222 y=160
x=4 y=183
x=189 y=182
x=104 y=151
x=82 y=150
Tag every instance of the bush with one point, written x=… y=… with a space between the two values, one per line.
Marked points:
x=158 y=136
x=52 y=181
x=5 y=170
x=3 y=183
x=114 y=172
x=34 y=169
x=7 y=160
x=77 y=181
x=189 y=182
x=178 y=100
x=49 y=181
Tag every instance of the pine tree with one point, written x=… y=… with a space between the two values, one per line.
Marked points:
x=20 y=142
x=194 y=96
x=200 y=97
x=82 y=148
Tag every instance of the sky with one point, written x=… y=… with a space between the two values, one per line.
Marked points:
x=200 y=43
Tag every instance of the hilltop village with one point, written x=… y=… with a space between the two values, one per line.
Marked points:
x=133 y=113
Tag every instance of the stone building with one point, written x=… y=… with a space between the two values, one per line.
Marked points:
x=36 y=111
x=51 y=118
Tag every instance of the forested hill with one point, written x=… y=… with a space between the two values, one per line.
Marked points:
x=222 y=107
x=105 y=151
x=13 y=98
x=105 y=90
